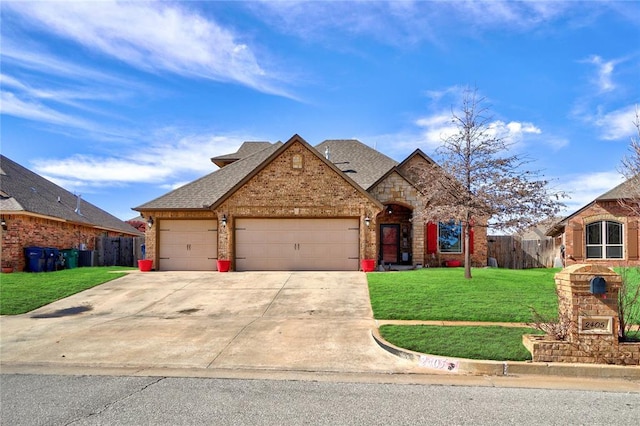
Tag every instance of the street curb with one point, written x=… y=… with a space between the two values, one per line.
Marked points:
x=507 y=368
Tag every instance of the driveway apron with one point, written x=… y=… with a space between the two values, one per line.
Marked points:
x=307 y=321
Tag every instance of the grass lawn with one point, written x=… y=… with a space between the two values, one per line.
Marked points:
x=22 y=292
x=487 y=343
x=497 y=295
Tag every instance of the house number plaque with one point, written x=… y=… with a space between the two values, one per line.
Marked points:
x=595 y=325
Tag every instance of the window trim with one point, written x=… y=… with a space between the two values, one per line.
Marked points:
x=604 y=235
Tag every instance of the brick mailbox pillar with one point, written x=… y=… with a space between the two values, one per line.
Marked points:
x=588 y=296
x=588 y=302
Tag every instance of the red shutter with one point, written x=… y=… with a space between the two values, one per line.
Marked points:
x=471 y=240
x=432 y=238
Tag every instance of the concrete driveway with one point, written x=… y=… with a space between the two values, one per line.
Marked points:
x=292 y=321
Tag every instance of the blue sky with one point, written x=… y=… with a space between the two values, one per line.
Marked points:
x=123 y=101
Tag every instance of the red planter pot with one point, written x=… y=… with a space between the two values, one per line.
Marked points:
x=145 y=265
x=368 y=265
x=224 y=265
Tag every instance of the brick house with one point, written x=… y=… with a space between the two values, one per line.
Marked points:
x=603 y=231
x=291 y=206
x=38 y=213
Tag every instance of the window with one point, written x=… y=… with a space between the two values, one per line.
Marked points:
x=604 y=240
x=450 y=237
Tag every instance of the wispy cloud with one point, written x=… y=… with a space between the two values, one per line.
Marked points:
x=587 y=187
x=618 y=124
x=154 y=36
x=604 y=72
x=168 y=162
x=14 y=106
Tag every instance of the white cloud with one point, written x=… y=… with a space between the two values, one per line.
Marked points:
x=604 y=80
x=617 y=124
x=153 y=36
x=10 y=104
x=169 y=163
x=584 y=188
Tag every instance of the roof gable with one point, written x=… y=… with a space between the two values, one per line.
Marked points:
x=23 y=191
x=283 y=148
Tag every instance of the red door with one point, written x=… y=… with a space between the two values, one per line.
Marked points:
x=390 y=243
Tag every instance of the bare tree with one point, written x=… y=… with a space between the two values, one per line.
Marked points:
x=479 y=181
x=630 y=168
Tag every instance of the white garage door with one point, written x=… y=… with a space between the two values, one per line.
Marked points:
x=188 y=245
x=297 y=244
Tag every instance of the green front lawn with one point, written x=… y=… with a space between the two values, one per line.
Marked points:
x=22 y=292
x=494 y=343
x=496 y=295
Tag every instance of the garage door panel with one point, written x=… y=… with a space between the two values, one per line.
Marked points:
x=297 y=244
x=188 y=245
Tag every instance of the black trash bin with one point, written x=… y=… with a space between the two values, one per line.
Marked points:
x=52 y=259
x=36 y=261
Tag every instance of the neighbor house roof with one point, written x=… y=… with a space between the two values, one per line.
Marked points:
x=23 y=191
x=361 y=163
x=627 y=190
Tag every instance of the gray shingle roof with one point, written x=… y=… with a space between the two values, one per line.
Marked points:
x=205 y=191
x=361 y=163
x=364 y=165
x=626 y=190
x=246 y=149
x=22 y=190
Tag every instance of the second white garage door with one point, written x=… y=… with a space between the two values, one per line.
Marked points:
x=188 y=245
x=297 y=244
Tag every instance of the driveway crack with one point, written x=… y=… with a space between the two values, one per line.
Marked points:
x=250 y=322
x=111 y=403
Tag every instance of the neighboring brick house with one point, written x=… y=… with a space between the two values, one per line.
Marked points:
x=37 y=212
x=291 y=206
x=603 y=231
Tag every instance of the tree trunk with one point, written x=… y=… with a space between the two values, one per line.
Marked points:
x=467 y=251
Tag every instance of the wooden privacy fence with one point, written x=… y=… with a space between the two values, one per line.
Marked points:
x=118 y=251
x=515 y=253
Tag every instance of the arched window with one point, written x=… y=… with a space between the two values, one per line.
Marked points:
x=604 y=240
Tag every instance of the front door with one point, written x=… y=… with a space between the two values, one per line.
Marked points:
x=390 y=243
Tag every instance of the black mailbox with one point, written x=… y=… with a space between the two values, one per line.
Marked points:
x=598 y=285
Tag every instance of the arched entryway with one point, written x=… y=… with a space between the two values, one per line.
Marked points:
x=395 y=234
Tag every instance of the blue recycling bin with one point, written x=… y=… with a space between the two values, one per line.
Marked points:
x=52 y=256
x=36 y=261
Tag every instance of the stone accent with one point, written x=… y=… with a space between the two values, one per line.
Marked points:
x=578 y=304
x=35 y=231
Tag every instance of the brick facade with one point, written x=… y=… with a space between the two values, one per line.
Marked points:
x=298 y=183
x=35 y=231
x=574 y=234
x=313 y=191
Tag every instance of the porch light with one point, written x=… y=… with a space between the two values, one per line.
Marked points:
x=389 y=210
x=150 y=222
x=4 y=224
x=367 y=220
x=224 y=220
